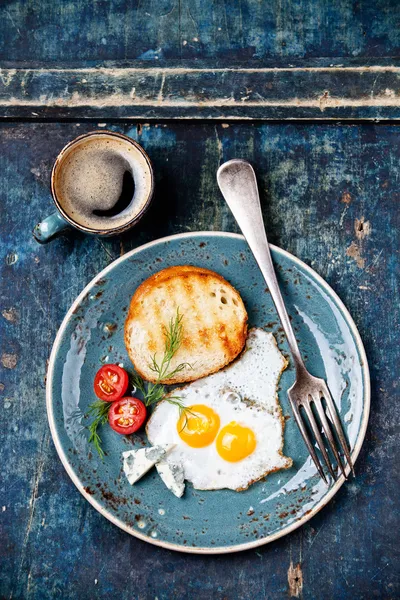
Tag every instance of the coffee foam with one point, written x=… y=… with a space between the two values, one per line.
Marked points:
x=90 y=175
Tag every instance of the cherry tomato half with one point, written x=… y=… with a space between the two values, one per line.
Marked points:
x=110 y=383
x=127 y=415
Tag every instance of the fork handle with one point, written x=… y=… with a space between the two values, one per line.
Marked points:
x=238 y=184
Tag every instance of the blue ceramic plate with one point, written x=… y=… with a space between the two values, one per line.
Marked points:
x=214 y=521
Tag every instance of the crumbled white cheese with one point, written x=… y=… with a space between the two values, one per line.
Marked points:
x=173 y=477
x=138 y=462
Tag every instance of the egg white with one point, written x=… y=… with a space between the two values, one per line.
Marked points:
x=245 y=392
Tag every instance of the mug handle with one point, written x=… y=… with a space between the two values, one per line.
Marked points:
x=50 y=228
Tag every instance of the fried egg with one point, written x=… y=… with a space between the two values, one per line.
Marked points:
x=231 y=431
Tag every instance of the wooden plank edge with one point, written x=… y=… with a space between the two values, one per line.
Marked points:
x=204 y=92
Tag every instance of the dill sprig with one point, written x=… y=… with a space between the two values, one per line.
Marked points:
x=183 y=410
x=99 y=410
x=173 y=341
x=155 y=392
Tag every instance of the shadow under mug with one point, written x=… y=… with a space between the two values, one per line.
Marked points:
x=58 y=222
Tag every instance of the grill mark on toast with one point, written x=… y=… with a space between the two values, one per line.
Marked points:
x=155 y=333
x=205 y=335
x=226 y=344
x=183 y=289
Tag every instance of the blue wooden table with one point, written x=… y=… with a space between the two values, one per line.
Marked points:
x=309 y=93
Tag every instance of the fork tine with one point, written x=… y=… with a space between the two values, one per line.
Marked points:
x=309 y=445
x=328 y=433
x=338 y=426
x=319 y=439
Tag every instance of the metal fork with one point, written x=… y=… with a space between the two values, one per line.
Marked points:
x=238 y=184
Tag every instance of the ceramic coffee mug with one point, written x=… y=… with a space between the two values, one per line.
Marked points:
x=102 y=183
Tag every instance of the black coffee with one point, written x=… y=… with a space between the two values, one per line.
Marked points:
x=103 y=182
x=124 y=200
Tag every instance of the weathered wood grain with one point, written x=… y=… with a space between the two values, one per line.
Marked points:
x=318 y=184
x=203 y=91
x=181 y=29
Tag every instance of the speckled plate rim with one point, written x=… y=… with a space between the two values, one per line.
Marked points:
x=221 y=549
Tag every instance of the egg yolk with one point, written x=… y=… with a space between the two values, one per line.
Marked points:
x=198 y=426
x=235 y=442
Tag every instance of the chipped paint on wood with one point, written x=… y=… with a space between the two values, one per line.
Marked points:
x=362 y=228
x=354 y=251
x=9 y=361
x=295 y=580
x=346 y=197
x=10 y=315
x=367 y=92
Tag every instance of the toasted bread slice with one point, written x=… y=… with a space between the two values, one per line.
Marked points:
x=214 y=322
